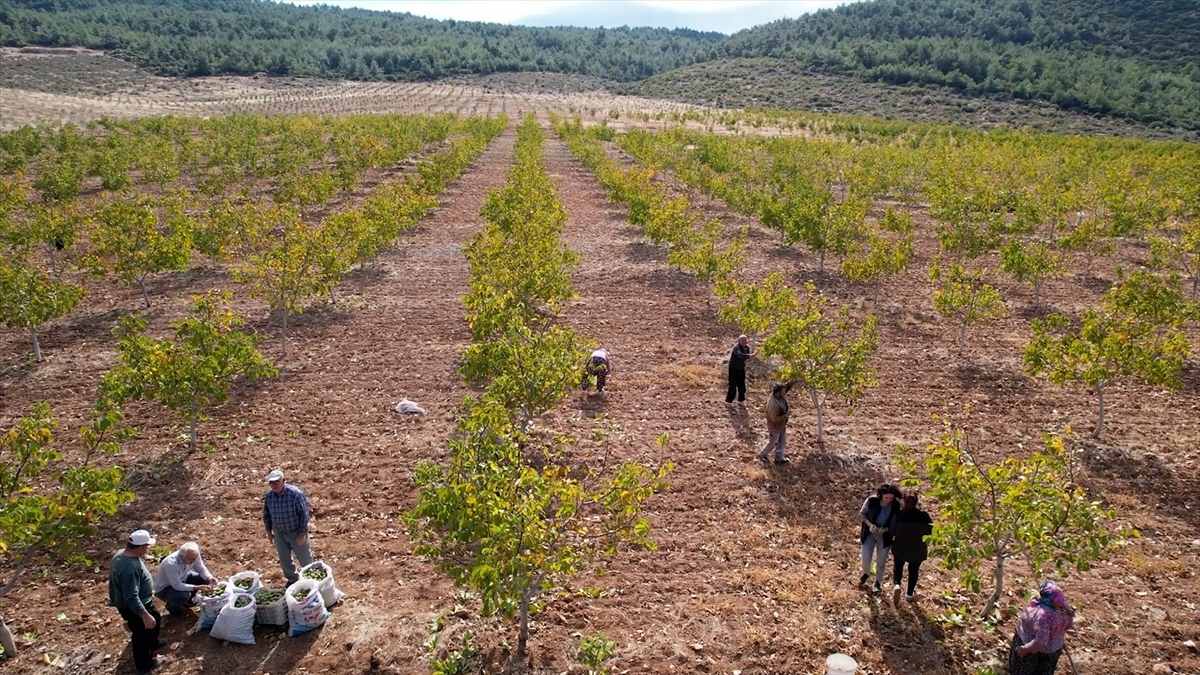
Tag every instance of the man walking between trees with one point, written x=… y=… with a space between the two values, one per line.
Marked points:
x=737 y=370
x=777 y=419
x=131 y=591
x=286 y=513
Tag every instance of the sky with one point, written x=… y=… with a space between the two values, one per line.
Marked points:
x=724 y=16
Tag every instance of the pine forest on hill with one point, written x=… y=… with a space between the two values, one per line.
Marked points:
x=1138 y=61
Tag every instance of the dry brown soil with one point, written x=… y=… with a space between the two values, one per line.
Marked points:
x=756 y=567
x=74 y=85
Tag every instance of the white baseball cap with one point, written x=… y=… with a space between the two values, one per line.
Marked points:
x=140 y=538
x=275 y=475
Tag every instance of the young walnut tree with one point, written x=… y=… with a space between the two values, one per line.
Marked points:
x=1030 y=507
x=192 y=371
x=824 y=354
x=512 y=529
x=49 y=505
x=1138 y=331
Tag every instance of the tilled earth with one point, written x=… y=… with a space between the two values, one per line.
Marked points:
x=756 y=567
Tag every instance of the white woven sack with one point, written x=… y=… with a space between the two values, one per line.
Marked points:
x=235 y=624
x=210 y=608
x=271 y=613
x=255 y=582
x=308 y=613
x=329 y=590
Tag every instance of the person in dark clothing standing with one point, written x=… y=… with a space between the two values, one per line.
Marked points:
x=908 y=546
x=131 y=591
x=737 y=369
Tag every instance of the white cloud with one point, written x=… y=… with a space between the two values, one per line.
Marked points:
x=726 y=16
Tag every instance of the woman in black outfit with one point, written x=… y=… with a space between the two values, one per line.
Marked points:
x=908 y=546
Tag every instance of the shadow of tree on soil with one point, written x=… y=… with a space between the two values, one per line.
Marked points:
x=1147 y=478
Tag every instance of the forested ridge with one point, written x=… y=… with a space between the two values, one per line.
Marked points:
x=205 y=37
x=1134 y=59
x=1129 y=58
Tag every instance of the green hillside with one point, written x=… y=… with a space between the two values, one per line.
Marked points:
x=1137 y=60
x=203 y=37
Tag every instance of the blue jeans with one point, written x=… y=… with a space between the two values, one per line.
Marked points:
x=285 y=546
x=175 y=599
x=873 y=547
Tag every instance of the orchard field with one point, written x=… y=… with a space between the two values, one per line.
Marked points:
x=677 y=215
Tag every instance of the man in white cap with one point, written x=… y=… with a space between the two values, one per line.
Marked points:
x=130 y=590
x=180 y=576
x=285 y=513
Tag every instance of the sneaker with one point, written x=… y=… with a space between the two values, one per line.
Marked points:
x=863 y=579
x=782 y=460
x=158 y=661
x=875 y=589
x=764 y=459
x=911 y=597
x=161 y=644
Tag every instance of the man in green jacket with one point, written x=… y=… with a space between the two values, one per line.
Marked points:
x=131 y=591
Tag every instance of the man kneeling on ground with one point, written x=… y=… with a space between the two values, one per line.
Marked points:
x=180 y=576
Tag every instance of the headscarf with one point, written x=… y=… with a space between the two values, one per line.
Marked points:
x=1051 y=597
x=1054 y=615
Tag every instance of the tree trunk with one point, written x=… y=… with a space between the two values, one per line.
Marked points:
x=1100 y=418
x=145 y=297
x=820 y=406
x=1195 y=284
x=523 y=633
x=990 y=607
x=37 y=348
x=1037 y=294
x=962 y=338
x=6 y=640
x=283 y=313
x=192 y=432
x=821 y=264
x=875 y=296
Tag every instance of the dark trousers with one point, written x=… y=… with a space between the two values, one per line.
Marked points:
x=144 y=640
x=175 y=600
x=1037 y=663
x=737 y=385
x=914 y=572
x=597 y=368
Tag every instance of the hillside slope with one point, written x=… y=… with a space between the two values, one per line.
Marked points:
x=1128 y=58
x=242 y=37
x=792 y=85
x=1125 y=59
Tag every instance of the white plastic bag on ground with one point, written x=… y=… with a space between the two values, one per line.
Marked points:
x=321 y=573
x=236 y=624
x=270 y=612
x=306 y=608
x=211 y=606
x=254 y=579
x=407 y=407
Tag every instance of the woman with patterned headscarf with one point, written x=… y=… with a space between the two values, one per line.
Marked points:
x=1041 y=630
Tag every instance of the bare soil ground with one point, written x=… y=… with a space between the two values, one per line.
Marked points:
x=756 y=567
x=81 y=86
